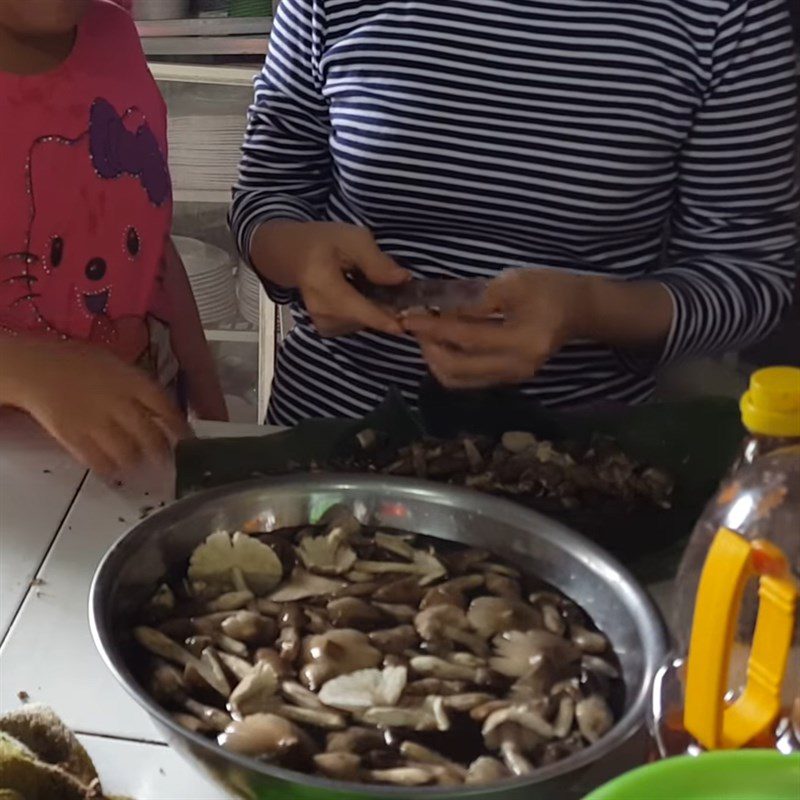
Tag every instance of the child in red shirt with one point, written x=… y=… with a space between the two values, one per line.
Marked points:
x=93 y=296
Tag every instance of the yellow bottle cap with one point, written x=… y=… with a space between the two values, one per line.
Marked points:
x=771 y=406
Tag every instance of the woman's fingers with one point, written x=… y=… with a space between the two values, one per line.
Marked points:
x=471 y=336
x=339 y=308
x=86 y=451
x=456 y=370
x=373 y=262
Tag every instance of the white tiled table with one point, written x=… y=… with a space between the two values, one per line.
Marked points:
x=56 y=522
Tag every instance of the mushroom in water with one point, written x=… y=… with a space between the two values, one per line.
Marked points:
x=250 y=628
x=302 y=585
x=267 y=736
x=365 y=688
x=492 y=615
x=486 y=770
x=327 y=555
x=221 y=556
x=430 y=715
x=339 y=765
x=518 y=652
x=255 y=692
x=353 y=612
x=335 y=653
x=395 y=641
x=442 y=626
x=594 y=717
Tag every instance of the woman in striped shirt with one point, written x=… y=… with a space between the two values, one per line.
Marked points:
x=624 y=171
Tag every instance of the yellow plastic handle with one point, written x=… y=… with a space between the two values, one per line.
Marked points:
x=731 y=563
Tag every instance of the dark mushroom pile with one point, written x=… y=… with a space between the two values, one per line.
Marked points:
x=519 y=465
x=375 y=657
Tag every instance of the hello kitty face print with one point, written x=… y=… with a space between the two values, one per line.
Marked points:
x=99 y=209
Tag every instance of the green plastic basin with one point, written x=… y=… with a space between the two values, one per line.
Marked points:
x=734 y=775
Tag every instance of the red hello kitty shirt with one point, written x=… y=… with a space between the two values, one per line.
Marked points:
x=85 y=197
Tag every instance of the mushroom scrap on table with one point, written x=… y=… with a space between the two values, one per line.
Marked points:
x=375 y=656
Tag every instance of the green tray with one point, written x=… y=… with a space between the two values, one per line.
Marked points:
x=694 y=440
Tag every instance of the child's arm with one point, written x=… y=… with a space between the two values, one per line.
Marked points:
x=189 y=343
x=107 y=414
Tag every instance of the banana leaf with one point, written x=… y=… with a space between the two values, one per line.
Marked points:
x=694 y=440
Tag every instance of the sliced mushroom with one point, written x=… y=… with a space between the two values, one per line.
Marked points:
x=467 y=701
x=518 y=441
x=403 y=776
x=431 y=686
x=231 y=601
x=196 y=644
x=439 y=668
x=402 y=590
x=269 y=655
x=340 y=517
x=442 y=626
x=304 y=584
x=430 y=715
x=513 y=742
x=395 y=641
x=255 y=692
x=365 y=688
x=163 y=646
x=213 y=561
x=353 y=612
x=517 y=653
x=191 y=723
x=447 y=772
x=266 y=736
x=490 y=616
x=250 y=628
x=400 y=612
x=503 y=586
x=335 y=653
x=464 y=560
x=317 y=717
x=589 y=641
x=562 y=724
x=240 y=668
x=355 y=740
x=213 y=717
x=486 y=770
x=166 y=684
x=594 y=718
x=525 y=716
x=327 y=555
x=339 y=765
x=425 y=565
x=398 y=545
x=300 y=696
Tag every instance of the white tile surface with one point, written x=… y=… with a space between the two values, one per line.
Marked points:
x=32 y=504
x=147 y=771
x=49 y=652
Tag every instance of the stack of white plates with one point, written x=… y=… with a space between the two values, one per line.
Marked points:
x=204 y=150
x=210 y=274
x=248 y=290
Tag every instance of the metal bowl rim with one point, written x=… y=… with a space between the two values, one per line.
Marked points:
x=635 y=716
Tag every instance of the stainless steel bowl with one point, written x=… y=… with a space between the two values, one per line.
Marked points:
x=134 y=566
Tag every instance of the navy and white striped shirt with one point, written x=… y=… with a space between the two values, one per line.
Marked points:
x=475 y=135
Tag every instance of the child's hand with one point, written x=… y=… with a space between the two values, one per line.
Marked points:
x=107 y=414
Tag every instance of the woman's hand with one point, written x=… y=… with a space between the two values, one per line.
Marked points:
x=110 y=416
x=314 y=257
x=542 y=311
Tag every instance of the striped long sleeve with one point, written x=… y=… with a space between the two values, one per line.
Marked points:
x=486 y=134
x=733 y=249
